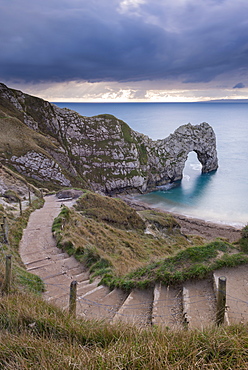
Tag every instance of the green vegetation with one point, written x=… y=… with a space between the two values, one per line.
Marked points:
x=19 y=138
x=22 y=279
x=191 y=263
x=39 y=335
x=11 y=196
x=127 y=133
x=161 y=221
x=243 y=241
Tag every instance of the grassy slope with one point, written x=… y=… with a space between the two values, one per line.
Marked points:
x=16 y=138
x=41 y=336
x=110 y=238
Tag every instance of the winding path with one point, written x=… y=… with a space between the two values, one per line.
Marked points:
x=163 y=306
x=41 y=256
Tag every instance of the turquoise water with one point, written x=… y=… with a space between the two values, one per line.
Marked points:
x=221 y=196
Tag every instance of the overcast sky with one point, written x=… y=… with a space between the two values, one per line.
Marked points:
x=125 y=50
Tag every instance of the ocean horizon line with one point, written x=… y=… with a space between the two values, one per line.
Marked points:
x=218 y=101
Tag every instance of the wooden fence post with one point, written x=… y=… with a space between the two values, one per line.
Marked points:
x=7 y=280
x=20 y=206
x=5 y=230
x=221 y=300
x=73 y=298
x=29 y=197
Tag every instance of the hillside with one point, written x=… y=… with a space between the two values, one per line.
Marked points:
x=41 y=335
x=44 y=142
x=129 y=251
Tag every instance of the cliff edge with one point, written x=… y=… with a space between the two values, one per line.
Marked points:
x=59 y=147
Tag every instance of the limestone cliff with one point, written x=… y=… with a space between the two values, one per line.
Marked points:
x=50 y=144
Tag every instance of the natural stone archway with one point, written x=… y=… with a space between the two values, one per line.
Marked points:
x=173 y=152
x=59 y=146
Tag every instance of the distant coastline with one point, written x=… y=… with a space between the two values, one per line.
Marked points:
x=238 y=101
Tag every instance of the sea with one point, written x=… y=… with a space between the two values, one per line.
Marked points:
x=220 y=196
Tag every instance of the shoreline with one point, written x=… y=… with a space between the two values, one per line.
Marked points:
x=190 y=225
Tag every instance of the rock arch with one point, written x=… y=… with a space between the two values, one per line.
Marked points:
x=100 y=152
x=172 y=153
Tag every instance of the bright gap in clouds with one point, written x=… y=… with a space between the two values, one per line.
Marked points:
x=143 y=91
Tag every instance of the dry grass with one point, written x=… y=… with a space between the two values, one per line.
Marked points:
x=16 y=138
x=40 y=336
x=112 y=240
x=113 y=211
x=113 y=231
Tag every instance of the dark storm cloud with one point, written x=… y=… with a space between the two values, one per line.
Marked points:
x=113 y=40
x=240 y=85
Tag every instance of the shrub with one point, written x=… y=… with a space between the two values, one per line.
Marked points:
x=243 y=241
x=244 y=232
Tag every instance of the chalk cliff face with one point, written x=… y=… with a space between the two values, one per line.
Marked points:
x=100 y=152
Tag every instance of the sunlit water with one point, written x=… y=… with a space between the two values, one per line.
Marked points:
x=221 y=196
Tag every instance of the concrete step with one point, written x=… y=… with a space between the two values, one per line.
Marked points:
x=88 y=304
x=51 y=253
x=44 y=269
x=199 y=304
x=137 y=308
x=236 y=293
x=76 y=271
x=52 y=276
x=85 y=286
x=106 y=307
x=58 y=289
x=29 y=257
x=59 y=256
x=36 y=261
x=69 y=262
x=81 y=277
x=167 y=307
x=57 y=285
x=61 y=301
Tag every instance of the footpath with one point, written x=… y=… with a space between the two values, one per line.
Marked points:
x=192 y=304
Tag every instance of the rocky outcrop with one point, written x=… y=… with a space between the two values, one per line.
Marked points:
x=173 y=152
x=39 y=167
x=101 y=151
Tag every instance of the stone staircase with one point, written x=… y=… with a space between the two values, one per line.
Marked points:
x=192 y=304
